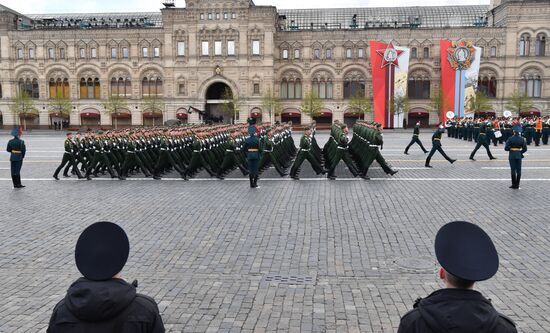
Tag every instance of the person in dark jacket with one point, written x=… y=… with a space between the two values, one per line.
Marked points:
x=516 y=147
x=466 y=254
x=252 y=149
x=482 y=140
x=436 y=146
x=415 y=139
x=101 y=301
x=16 y=147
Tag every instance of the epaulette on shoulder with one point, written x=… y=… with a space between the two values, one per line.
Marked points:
x=508 y=319
x=416 y=302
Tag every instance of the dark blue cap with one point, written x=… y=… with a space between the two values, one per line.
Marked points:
x=15 y=132
x=102 y=251
x=517 y=128
x=466 y=251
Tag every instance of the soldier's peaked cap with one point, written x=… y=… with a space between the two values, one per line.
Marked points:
x=466 y=251
x=102 y=251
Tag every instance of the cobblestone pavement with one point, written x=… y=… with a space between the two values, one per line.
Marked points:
x=294 y=256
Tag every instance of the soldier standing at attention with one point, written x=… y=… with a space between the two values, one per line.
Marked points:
x=252 y=149
x=16 y=147
x=415 y=139
x=516 y=146
x=466 y=255
x=436 y=146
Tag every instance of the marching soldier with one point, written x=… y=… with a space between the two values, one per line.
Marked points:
x=16 y=147
x=436 y=146
x=68 y=158
x=303 y=154
x=516 y=146
x=466 y=255
x=416 y=139
x=342 y=153
x=482 y=140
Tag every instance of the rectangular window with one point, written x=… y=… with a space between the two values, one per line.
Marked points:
x=285 y=54
x=255 y=47
x=348 y=53
x=181 y=49
x=125 y=53
x=82 y=53
x=231 y=47
x=209 y=16
x=218 y=48
x=360 y=53
x=94 y=53
x=156 y=52
x=493 y=51
x=205 y=49
x=181 y=89
x=19 y=53
x=316 y=54
x=51 y=54
x=426 y=52
x=62 y=53
x=233 y=15
x=225 y=16
x=297 y=54
x=145 y=52
x=217 y=16
x=256 y=88
x=202 y=16
x=31 y=53
x=328 y=54
x=113 y=53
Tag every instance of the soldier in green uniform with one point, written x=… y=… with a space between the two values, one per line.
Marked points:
x=342 y=153
x=415 y=139
x=305 y=153
x=436 y=146
x=482 y=140
x=16 y=148
x=516 y=146
x=68 y=158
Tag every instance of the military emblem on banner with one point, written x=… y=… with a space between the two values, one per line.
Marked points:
x=461 y=55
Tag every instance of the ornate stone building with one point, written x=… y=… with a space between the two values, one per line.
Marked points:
x=191 y=58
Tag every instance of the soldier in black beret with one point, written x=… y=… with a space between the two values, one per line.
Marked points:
x=467 y=255
x=102 y=301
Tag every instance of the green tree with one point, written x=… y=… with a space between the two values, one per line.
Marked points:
x=232 y=104
x=519 y=103
x=60 y=105
x=272 y=103
x=480 y=103
x=401 y=104
x=23 y=107
x=153 y=104
x=311 y=105
x=114 y=105
x=361 y=104
x=437 y=102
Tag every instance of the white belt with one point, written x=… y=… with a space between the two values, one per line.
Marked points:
x=343 y=148
x=304 y=149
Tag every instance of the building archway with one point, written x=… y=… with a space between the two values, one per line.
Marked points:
x=218 y=94
x=418 y=115
x=90 y=117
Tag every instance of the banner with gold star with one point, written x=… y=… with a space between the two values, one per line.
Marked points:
x=390 y=66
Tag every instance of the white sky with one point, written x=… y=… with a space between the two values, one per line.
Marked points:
x=95 y=6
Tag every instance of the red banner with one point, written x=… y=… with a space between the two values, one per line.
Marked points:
x=448 y=78
x=379 y=83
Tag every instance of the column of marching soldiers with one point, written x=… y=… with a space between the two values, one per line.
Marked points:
x=218 y=149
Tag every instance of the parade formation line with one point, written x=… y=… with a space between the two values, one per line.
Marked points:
x=276 y=179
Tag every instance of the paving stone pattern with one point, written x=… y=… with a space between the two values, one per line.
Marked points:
x=294 y=256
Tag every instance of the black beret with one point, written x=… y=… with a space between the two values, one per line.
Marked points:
x=102 y=251
x=466 y=251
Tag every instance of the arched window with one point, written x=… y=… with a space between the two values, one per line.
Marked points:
x=354 y=84
x=414 y=53
x=90 y=88
x=114 y=87
x=531 y=86
x=524 y=45
x=29 y=87
x=419 y=86
x=322 y=85
x=426 y=52
x=152 y=86
x=145 y=88
x=487 y=84
x=540 y=45
x=59 y=88
x=291 y=88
